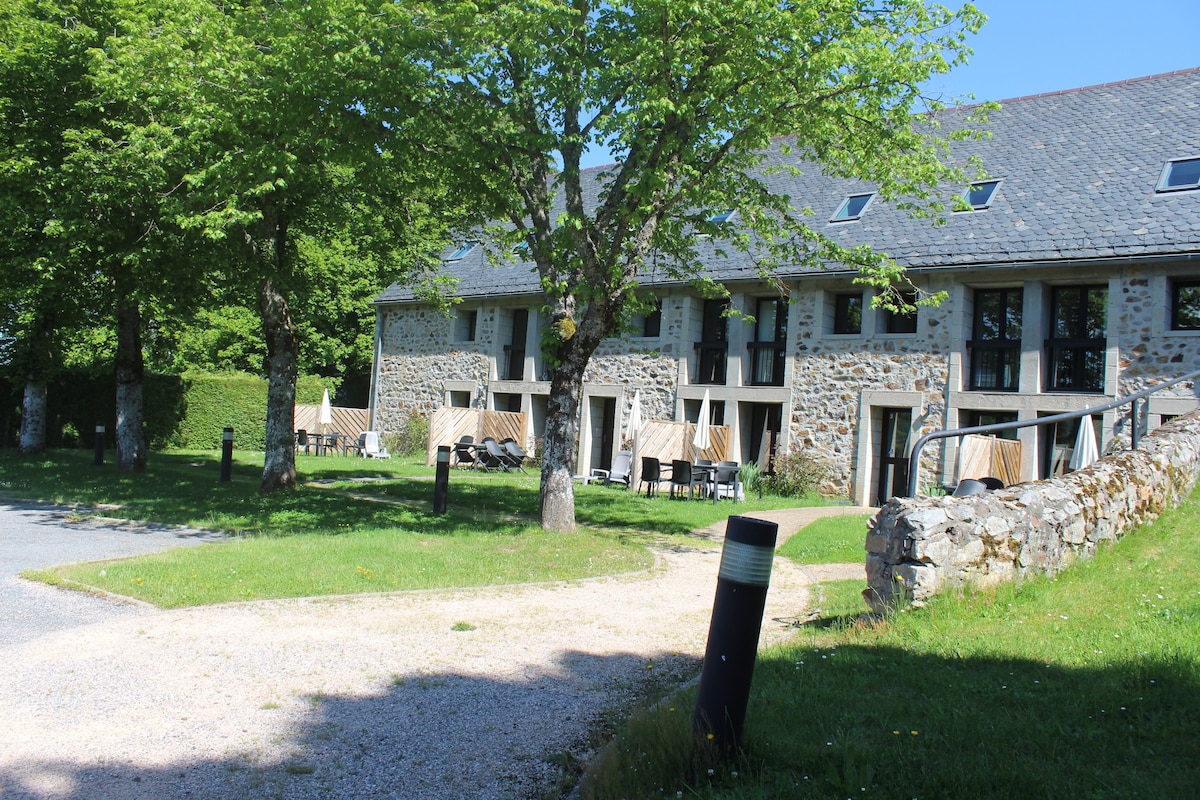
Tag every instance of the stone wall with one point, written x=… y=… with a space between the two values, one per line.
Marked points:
x=918 y=546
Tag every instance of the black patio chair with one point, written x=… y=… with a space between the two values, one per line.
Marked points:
x=725 y=480
x=515 y=452
x=302 y=440
x=464 y=452
x=651 y=475
x=683 y=478
x=494 y=456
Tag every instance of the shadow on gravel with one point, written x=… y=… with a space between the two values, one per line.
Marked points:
x=431 y=736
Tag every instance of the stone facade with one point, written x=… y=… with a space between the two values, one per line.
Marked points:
x=917 y=547
x=836 y=387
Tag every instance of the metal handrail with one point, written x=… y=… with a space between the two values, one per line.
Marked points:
x=914 y=458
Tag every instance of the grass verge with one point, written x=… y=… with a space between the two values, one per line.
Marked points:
x=829 y=540
x=1085 y=685
x=354 y=525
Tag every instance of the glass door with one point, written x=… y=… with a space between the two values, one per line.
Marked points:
x=893 y=454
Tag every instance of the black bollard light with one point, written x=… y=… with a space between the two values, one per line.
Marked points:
x=227 y=456
x=441 y=480
x=729 y=658
x=99 y=445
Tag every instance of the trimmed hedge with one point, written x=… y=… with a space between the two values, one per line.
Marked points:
x=186 y=411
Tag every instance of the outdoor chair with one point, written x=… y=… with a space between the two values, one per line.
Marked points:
x=651 y=475
x=494 y=456
x=992 y=483
x=371 y=448
x=682 y=477
x=514 y=450
x=618 y=471
x=302 y=440
x=725 y=480
x=464 y=453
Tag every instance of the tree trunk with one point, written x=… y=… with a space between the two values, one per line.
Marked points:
x=557 y=498
x=33 y=418
x=283 y=352
x=131 y=374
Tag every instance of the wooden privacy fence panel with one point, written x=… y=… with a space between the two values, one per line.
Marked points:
x=668 y=441
x=346 y=421
x=448 y=425
x=989 y=456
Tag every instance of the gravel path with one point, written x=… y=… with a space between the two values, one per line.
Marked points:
x=351 y=697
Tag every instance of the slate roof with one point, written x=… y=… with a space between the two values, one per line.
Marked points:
x=1078 y=168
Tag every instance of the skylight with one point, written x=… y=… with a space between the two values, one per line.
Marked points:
x=463 y=249
x=723 y=216
x=1180 y=174
x=979 y=194
x=852 y=207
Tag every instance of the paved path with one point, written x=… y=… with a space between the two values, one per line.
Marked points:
x=375 y=696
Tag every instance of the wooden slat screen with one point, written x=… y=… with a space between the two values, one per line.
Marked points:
x=448 y=425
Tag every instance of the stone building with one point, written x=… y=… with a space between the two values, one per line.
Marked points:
x=1073 y=278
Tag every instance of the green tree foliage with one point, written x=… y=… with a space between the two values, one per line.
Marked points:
x=277 y=109
x=688 y=98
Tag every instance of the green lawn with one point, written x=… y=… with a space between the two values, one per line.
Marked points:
x=829 y=540
x=354 y=525
x=1082 y=686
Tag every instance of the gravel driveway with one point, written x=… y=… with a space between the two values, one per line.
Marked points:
x=374 y=696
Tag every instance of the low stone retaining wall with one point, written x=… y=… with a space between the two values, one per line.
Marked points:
x=918 y=546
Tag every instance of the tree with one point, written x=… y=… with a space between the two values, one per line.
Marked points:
x=279 y=103
x=687 y=97
x=43 y=69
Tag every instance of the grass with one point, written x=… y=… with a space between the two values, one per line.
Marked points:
x=829 y=540
x=1084 y=686
x=353 y=526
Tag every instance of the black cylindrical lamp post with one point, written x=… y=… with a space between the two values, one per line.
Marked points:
x=227 y=455
x=99 y=445
x=441 y=480
x=733 y=634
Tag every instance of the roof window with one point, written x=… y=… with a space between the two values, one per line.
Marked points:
x=1180 y=174
x=463 y=249
x=980 y=193
x=852 y=207
x=724 y=216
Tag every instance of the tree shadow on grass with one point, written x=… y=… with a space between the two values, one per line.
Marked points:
x=436 y=735
x=903 y=724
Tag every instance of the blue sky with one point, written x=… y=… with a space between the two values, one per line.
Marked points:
x=1030 y=47
x=1035 y=46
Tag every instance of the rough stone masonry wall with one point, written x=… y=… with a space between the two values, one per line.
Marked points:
x=918 y=546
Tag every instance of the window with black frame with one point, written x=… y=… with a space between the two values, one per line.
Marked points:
x=847 y=312
x=1185 y=305
x=902 y=321
x=514 y=369
x=1075 y=349
x=768 y=351
x=995 y=342
x=713 y=348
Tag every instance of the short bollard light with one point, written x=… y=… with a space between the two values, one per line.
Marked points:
x=99 y=445
x=227 y=456
x=729 y=658
x=441 y=480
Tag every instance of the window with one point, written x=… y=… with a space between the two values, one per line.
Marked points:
x=1180 y=174
x=1185 y=305
x=724 y=216
x=713 y=347
x=979 y=194
x=464 y=324
x=902 y=322
x=1075 y=349
x=978 y=418
x=847 y=313
x=650 y=323
x=462 y=251
x=852 y=207
x=995 y=343
x=768 y=351
x=514 y=351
